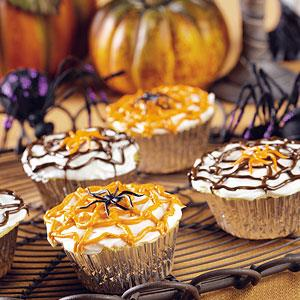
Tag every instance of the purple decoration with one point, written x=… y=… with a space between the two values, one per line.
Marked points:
x=91 y=95
x=43 y=86
x=103 y=97
x=33 y=73
x=8 y=122
x=287 y=117
x=247 y=134
x=12 y=78
x=7 y=89
x=268 y=133
x=25 y=82
x=89 y=68
x=26 y=94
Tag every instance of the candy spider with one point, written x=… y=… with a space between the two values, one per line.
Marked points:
x=161 y=99
x=108 y=198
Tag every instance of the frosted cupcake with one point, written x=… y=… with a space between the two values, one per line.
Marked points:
x=118 y=235
x=60 y=163
x=253 y=188
x=169 y=123
x=12 y=212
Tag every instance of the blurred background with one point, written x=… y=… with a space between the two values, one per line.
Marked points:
x=206 y=43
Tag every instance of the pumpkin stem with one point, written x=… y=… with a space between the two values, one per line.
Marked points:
x=42 y=7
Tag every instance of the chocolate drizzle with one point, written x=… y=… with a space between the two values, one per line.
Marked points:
x=102 y=143
x=10 y=208
x=218 y=174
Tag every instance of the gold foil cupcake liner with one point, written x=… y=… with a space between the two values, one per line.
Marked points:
x=54 y=190
x=115 y=270
x=7 y=250
x=169 y=153
x=265 y=218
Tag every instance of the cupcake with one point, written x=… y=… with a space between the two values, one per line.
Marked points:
x=60 y=163
x=117 y=236
x=252 y=188
x=12 y=212
x=169 y=123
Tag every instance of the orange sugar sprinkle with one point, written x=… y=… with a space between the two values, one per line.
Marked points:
x=259 y=156
x=72 y=212
x=75 y=140
x=158 y=112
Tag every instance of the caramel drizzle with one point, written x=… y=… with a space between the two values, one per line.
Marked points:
x=75 y=140
x=217 y=172
x=12 y=208
x=95 y=216
x=259 y=156
x=156 y=108
x=71 y=146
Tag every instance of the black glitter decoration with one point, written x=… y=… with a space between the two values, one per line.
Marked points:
x=271 y=114
x=28 y=95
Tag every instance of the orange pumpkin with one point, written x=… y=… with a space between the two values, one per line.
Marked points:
x=158 y=42
x=40 y=41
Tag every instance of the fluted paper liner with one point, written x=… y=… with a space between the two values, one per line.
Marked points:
x=7 y=250
x=169 y=153
x=265 y=218
x=114 y=271
x=55 y=190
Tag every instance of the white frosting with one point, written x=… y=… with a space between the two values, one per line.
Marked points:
x=209 y=160
x=14 y=218
x=69 y=243
x=186 y=124
x=92 y=171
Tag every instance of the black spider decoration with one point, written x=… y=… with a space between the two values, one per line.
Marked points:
x=271 y=117
x=111 y=199
x=161 y=99
x=27 y=95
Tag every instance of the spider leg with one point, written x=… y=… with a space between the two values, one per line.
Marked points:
x=128 y=198
x=106 y=205
x=130 y=193
x=96 y=195
x=116 y=192
x=101 y=192
x=120 y=206
x=90 y=204
x=115 y=202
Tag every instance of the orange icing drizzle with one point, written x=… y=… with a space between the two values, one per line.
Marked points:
x=259 y=156
x=131 y=110
x=88 y=219
x=75 y=140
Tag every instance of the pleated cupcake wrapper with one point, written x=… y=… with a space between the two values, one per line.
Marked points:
x=265 y=218
x=114 y=271
x=169 y=153
x=54 y=190
x=7 y=250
